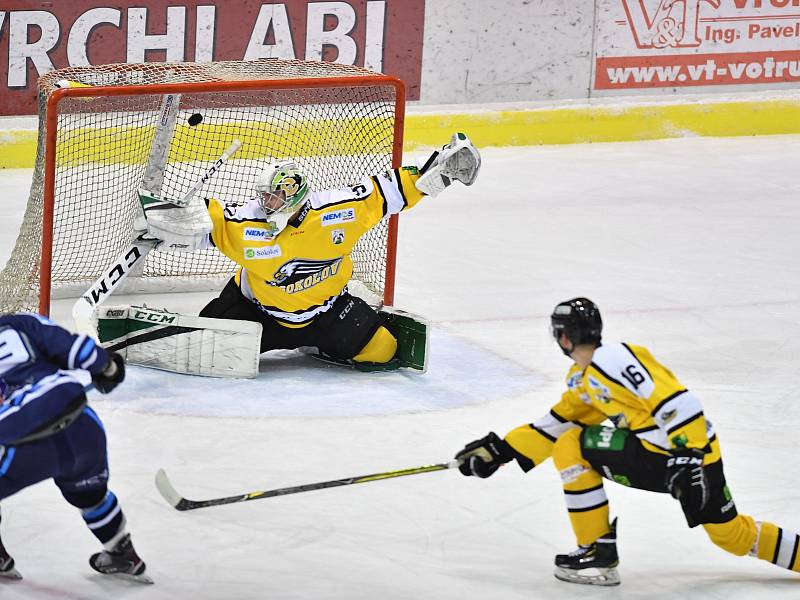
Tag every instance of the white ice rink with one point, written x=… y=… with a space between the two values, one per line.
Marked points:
x=689 y=247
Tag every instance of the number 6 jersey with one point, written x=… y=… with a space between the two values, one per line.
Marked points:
x=626 y=385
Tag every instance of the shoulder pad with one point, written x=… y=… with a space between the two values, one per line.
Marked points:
x=618 y=363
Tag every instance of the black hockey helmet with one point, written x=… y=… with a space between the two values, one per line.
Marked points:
x=579 y=319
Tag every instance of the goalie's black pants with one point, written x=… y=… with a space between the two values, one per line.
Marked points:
x=341 y=332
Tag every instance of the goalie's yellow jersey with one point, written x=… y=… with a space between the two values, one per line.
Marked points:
x=627 y=386
x=298 y=274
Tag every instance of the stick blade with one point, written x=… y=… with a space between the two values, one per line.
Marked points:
x=167 y=490
x=82 y=315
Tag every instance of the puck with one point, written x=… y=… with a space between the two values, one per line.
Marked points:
x=195 y=119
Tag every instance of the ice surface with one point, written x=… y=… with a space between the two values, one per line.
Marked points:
x=689 y=246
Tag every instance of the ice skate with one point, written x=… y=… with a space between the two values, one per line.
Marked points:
x=7 y=570
x=122 y=562
x=593 y=564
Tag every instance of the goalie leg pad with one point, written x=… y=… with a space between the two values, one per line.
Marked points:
x=412 y=334
x=181 y=343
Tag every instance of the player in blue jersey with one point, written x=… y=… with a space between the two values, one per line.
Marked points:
x=47 y=430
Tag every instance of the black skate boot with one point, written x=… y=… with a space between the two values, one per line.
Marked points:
x=7 y=570
x=593 y=564
x=122 y=561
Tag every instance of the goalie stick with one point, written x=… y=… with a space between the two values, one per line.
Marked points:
x=131 y=256
x=170 y=494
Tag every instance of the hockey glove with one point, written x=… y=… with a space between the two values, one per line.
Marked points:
x=686 y=479
x=458 y=160
x=483 y=457
x=111 y=376
x=180 y=228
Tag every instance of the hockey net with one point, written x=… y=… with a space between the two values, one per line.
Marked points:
x=96 y=126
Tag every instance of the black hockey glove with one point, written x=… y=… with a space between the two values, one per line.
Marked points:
x=111 y=376
x=686 y=479
x=483 y=457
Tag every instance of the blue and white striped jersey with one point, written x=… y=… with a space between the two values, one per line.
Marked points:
x=36 y=385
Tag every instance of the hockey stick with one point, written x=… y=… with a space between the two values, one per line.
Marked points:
x=170 y=494
x=135 y=253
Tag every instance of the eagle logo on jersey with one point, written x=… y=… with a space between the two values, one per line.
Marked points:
x=302 y=273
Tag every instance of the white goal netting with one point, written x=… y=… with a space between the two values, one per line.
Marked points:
x=338 y=122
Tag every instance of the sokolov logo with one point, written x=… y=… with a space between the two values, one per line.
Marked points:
x=257 y=234
x=300 y=274
x=666 y=23
x=345 y=215
x=262 y=253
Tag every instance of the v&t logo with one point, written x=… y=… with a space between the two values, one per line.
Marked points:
x=345 y=215
x=666 y=23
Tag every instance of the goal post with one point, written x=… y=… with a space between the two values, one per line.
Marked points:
x=96 y=126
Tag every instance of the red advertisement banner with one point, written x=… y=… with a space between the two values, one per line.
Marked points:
x=682 y=43
x=35 y=37
x=698 y=69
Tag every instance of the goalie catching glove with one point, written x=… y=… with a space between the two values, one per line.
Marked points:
x=179 y=228
x=458 y=160
x=483 y=457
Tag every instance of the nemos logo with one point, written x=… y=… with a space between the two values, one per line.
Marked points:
x=262 y=253
x=346 y=215
x=256 y=233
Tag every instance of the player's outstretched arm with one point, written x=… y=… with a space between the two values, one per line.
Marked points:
x=483 y=457
x=458 y=160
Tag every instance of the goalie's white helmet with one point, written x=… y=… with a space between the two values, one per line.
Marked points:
x=281 y=188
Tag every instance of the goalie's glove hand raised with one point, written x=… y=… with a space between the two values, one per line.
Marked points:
x=483 y=457
x=112 y=375
x=686 y=479
x=458 y=160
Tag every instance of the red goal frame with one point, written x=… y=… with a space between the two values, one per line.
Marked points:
x=51 y=120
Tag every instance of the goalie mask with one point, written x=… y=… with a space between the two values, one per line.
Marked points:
x=280 y=190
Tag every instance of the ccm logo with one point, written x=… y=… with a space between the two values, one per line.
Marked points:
x=115 y=274
x=346 y=310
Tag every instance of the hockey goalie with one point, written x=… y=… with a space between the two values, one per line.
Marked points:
x=292 y=247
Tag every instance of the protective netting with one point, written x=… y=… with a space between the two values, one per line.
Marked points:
x=338 y=132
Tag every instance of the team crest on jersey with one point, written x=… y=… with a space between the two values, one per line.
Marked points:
x=302 y=273
x=337 y=236
x=602 y=393
x=262 y=253
x=668 y=415
x=574 y=381
x=334 y=217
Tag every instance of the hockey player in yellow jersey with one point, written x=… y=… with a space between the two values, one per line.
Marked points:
x=293 y=248
x=659 y=440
